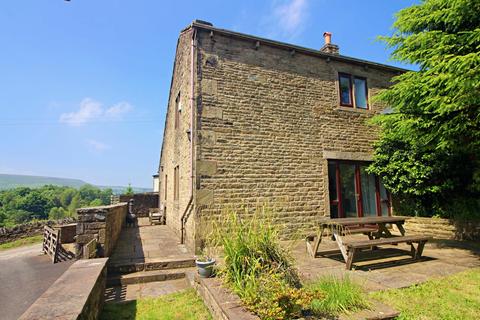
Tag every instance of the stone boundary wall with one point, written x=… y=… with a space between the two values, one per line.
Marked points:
x=222 y=303
x=103 y=223
x=77 y=294
x=142 y=202
x=29 y=229
x=444 y=228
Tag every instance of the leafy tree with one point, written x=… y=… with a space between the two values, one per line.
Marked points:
x=67 y=196
x=129 y=190
x=429 y=149
x=95 y=203
x=57 y=213
x=22 y=204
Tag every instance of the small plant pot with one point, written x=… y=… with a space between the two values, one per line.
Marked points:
x=205 y=268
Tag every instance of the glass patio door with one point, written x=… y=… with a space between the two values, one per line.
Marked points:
x=348 y=190
x=354 y=192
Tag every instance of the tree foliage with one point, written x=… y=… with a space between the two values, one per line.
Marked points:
x=429 y=149
x=48 y=202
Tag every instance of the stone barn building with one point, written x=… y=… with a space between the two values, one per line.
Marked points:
x=251 y=119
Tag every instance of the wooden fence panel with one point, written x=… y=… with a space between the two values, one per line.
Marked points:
x=51 y=242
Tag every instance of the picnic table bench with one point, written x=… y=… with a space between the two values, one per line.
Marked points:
x=376 y=228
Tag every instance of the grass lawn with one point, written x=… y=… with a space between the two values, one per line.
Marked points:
x=21 y=242
x=452 y=297
x=185 y=305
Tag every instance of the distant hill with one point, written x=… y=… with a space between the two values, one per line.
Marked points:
x=9 y=181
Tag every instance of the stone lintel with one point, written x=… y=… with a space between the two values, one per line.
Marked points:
x=342 y=155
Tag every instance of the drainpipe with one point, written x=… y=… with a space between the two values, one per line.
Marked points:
x=192 y=134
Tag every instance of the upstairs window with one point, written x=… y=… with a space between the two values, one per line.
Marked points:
x=353 y=91
x=177 y=110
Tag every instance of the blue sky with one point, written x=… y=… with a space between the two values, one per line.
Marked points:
x=84 y=84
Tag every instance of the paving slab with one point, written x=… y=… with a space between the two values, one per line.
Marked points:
x=391 y=266
x=146 y=243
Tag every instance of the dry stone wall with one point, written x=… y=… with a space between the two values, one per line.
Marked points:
x=30 y=229
x=444 y=228
x=102 y=223
x=142 y=202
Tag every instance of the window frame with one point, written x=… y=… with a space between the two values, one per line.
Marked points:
x=176 y=183
x=349 y=76
x=166 y=187
x=367 y=107
x=177 y=111
x=358 y=190
x=352 y=90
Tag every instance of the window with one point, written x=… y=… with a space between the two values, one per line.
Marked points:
x=353 y=91
x=166 y=189
x=345 y=81
x=176 y=182
x=354 y=192
x=177 y=110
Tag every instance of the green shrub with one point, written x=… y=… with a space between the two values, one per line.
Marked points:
x=272 y=298
x=339 y=296
x=257 y=268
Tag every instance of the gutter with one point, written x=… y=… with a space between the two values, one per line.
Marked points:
x=288 y=46
x=185 y=215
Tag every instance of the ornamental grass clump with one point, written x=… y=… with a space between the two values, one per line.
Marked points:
x=257 y=268
x=340 y=295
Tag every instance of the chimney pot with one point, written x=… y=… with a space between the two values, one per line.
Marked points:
x=328 y=37
x=329 y=47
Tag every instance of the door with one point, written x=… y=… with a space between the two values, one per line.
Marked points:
x=354 y=192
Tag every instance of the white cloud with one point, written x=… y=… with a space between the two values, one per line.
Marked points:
x=118 y=110
x=91 y=110
x=97 y=146
x=288 y=18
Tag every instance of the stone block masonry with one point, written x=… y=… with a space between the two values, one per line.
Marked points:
x=444 y=228
x=102 y=223
x=267 y=118
x=142 y=202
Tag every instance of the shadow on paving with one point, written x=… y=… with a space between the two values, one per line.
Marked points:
x=369 y=259
x=129 y=248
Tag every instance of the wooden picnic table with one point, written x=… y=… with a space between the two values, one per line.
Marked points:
x=374 y=227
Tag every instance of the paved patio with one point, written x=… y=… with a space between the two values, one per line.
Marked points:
x=146 y=243
x=391 y=266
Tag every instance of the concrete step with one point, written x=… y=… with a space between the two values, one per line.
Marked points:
x=147 y=276
x=130 y=266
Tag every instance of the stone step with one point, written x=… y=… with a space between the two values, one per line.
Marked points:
x=147 y=276
x=124 y=293
x=125 y=267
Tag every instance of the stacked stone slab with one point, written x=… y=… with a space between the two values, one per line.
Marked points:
x=103 y=224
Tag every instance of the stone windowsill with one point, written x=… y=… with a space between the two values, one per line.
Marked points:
x=351 y=109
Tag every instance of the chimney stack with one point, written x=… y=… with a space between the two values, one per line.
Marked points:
x=328 y=47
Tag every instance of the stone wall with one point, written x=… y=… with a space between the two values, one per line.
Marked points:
x=142 y=202
x=268 y=121
x=176 y=142
x=103 y=223
x=444 y=228
x=29 y=229
x=77 y=294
